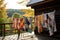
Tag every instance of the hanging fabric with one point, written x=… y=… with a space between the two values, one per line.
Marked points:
x=36 y=21
x=45 y=21
x=22 y=25
x=41 y=18
x=27 y=21
x=30 y=24
x=15 y=23
x=52 y=24
x=29 y=29
x=53 y=20
x=49 y=24
x=30 y=20
x=26 y=27
x=19 y=23
x=40 y=21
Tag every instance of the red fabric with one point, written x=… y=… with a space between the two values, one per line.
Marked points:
x=47 y=21
x=18 y=23
x=21 y=23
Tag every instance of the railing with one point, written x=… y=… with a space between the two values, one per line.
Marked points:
x=3 y=30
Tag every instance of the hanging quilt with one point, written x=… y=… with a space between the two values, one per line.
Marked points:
x=52 y=24
x=40 y=22
x=15 y=23
x=21 y=24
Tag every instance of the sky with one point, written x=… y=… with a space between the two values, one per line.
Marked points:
x=13 y=4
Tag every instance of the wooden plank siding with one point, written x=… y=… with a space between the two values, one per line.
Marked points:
x=53 y=5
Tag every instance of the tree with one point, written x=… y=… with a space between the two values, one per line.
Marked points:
x=28 y=12
x=3 y=14
x=16 y=15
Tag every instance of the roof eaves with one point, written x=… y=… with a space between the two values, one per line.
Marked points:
x=41 y=2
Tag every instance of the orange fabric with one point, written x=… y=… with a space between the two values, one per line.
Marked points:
x=22 y=23
x=39 y=23
x=41 y=18
x=39 y=28
x=36 y=20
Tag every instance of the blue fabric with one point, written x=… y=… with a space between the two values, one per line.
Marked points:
x=27 y=22
x=29 y=30
x=30 y=20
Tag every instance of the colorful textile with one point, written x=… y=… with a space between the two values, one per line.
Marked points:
x=31 y=20
x=52 y=24
x=45 y=21
x=40 y=23
x=27 y=22
x=18 y=23
x=22 y=25
x=29 y=30
x=41 y=18
x=36 y=21
x=15 y=23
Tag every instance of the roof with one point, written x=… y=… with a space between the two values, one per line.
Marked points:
x=34 y=1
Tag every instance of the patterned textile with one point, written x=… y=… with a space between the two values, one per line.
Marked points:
x=41 y=18
x=18 y=23
x=45 y=22
x=36 y=21
x=52 y=24
x=15 y=23
x=31 y=20
x=22 y=25
x=39 y=23
x=27 y=21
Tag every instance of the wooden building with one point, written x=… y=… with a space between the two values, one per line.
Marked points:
x=47 y=6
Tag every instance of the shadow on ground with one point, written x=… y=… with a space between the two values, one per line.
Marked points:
x=45 y=37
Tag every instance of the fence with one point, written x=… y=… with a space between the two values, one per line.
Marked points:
x=3 y=30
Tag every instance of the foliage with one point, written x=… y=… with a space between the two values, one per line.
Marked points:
x=3 y=14
x=12 y=11
x=16 y=15
x=28 y=12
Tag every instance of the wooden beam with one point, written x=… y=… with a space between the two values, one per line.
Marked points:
x=39 y=3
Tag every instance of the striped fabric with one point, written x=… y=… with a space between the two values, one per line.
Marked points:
x=18 y=23
x=22 y=25
x=15 y=23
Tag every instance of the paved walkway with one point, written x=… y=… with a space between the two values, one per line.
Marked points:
x=27 y=36
x=23 y=36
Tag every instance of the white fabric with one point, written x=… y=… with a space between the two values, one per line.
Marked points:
x=44 y=21
x=51 y=23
